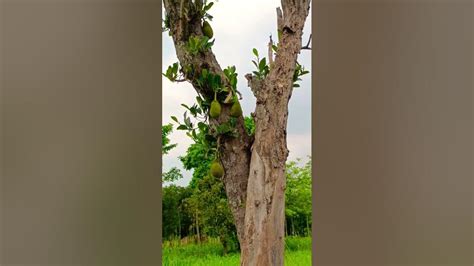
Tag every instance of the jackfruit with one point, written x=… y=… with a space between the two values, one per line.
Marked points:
x=207 y=29
x=215 y=109
x=236 y=109
x=216 y=169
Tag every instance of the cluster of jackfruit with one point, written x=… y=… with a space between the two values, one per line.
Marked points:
x=217 y=170
x=216 y=108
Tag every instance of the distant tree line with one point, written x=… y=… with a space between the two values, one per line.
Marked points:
x=200 y=210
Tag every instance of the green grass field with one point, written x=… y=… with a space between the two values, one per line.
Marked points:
x=297 y=253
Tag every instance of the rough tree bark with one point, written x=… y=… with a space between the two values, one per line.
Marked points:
x=265 y=208
x=254 y=168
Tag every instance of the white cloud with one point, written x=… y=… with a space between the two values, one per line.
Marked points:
x=299 y=146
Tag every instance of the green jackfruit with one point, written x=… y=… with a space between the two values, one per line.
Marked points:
x=236 y=109
x=207 y=29
x=216 y=169
x=215 y=109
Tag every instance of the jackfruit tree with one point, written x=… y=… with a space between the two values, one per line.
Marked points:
x=251 y=165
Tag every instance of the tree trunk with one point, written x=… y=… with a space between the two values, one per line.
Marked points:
x=179 y=225
x=235 y=152
x=265 y=208
x=307 y=226
x=197 y=230
x=293 y=227
x=254 y=176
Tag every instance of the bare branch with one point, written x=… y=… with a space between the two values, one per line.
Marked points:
x=240 y=95
x=270 y=52
x=279 y=23
x=306 y=47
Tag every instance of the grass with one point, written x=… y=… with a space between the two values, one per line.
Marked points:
x=297 y=253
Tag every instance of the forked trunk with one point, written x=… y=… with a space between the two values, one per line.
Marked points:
x=254 y=177
x=265 y=206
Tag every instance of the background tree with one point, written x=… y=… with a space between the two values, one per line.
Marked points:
x=298 y=198
x=165 y=140
x=174 y=173
x=177 y=220
x=254 y=165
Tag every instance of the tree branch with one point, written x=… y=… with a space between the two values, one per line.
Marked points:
x=270 y=51
x=306 y=47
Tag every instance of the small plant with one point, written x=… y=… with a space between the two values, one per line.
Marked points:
x=230 y=74
x=261 y=64
x=203 y=9
x=166 y=24
x=198 y=44
x=172 y=72
x=299 y=71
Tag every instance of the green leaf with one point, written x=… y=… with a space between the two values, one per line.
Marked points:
x=223 y=128
x=202 y=126
x=182 y=127
x=208 y=6
x=187 y=121
x=175 y=68
x=174 y=119
x=262 y=64
x=255 y=63
x=255 y=52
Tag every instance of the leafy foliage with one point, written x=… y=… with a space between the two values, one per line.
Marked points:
x=198 y=44
x=198 y=158
x=298 y=198
x=172 y=72
x=203 y=203
x=165 y=131
x=261 y=64
x=299 y=71
x=204 y=8
x=176 y=218
x=172 y=175
x=216 y=217
x=209 y=81
x=249 y=125
x=229 y=72
x=166 y=24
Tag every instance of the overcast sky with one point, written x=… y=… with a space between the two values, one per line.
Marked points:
x=240 y=26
